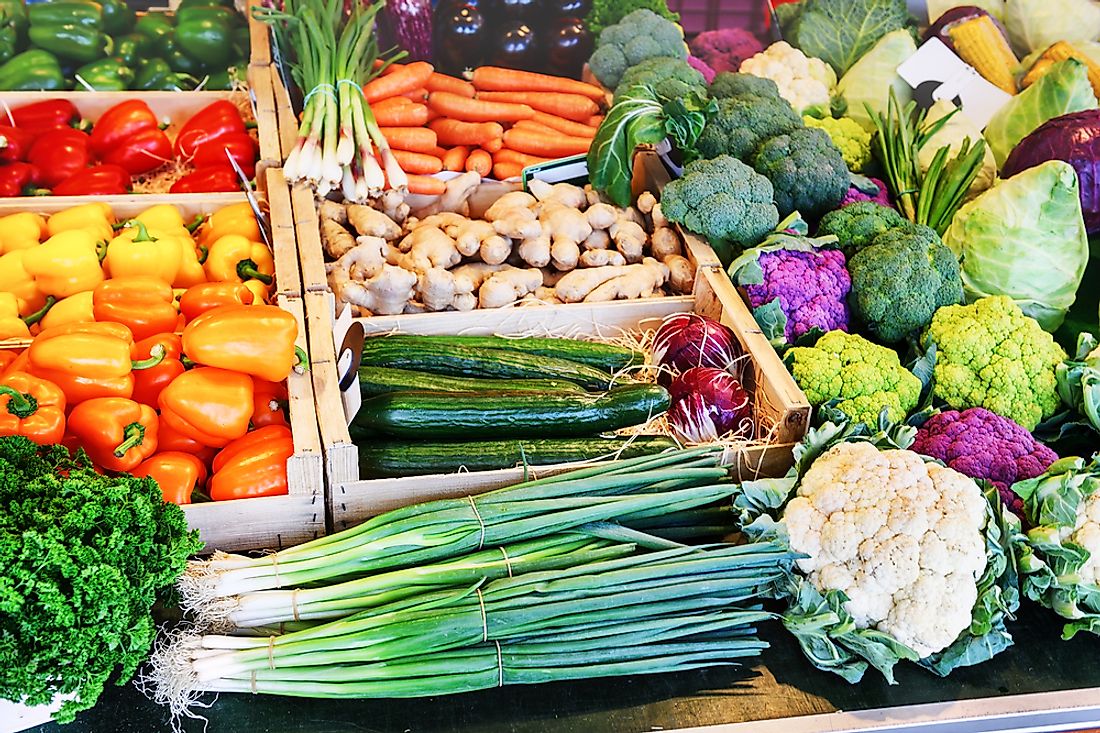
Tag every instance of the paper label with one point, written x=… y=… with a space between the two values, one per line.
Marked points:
x=935 y=72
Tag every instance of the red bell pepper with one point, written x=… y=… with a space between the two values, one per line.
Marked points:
x=177 y=474
x=149 y=383
x=15 y=143
x=142 y=152
x=210 y=179
x=18 y=179
x=212 y=122
x=46 y=115
x=270 y=403
x=120 y=123
x=254 y=465
x=60 y=154
x=99 y=180
x=239 y=145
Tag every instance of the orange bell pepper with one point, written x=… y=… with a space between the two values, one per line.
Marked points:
x=253 y=339
x=31 y=407
x=254 y=465
x=234 y=258
x=177 y=474
x=270 y=400
x=149 y=383
x=117 y=433
x=7 y=358
x=198 y=299
x=75 y=308
x=170 y=440
x=145 y=305
x=210 y=406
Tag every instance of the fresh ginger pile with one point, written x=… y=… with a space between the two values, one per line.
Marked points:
x=557 y=244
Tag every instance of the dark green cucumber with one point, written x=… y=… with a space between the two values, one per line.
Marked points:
x=395 y=459
x=488 y=415
x=380 y=380
x=461 y=361
x=607 y=357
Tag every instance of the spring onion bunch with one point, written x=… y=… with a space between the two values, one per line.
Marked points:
x=334 y=55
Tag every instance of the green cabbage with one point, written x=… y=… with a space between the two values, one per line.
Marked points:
x=1035 y=24
x=936 y=8
x=1063 y=89
x=868 y=82
x=1025 y=238
x=839 y=32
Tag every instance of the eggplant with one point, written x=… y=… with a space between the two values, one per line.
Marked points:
x=516 y=47
x=566 y=8
x=500 y=11
x=568 y=45
x=460 y=37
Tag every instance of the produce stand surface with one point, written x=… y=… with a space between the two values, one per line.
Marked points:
x=1041 y=684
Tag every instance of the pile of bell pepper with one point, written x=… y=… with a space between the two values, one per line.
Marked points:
x=104 y=46
x=46 y=149
x=151 y=361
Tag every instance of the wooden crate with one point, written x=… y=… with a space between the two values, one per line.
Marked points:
x=307 y=227
x=259 y=37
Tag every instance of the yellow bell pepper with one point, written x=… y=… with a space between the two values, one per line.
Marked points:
x=15 y=279
x=11 y=325
x=65 y=264
x=260 y=292
x=74 y=309
x=139 y=252
x=191 y=271
x=234 y=258
x=234 y=219
x=97 y=218
x=21 y=231
x=162 y=217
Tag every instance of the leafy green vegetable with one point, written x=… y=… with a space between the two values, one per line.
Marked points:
x=871 y=80
x=839 y=32
x=83 y=557
x=1079 y=379
x=609 y=12
x=1033 y=25
x=1063 y=89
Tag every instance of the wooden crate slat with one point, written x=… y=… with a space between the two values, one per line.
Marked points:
x=259 y=38
x=267 y=122
x=341 y=455
x=284 y=112
x=284 y=243
x=308 y=229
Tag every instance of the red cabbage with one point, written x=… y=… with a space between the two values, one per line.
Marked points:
x=1074 y=139
x=687 y=340
x=709 y=404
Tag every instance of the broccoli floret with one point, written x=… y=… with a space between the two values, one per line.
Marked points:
x=669 y=77
x=742 y=123
x=856 y=226
x=640 y=35
x=724 y=49
x=723 y=200
x=609 y=12
x=732 y=84
x=806 y=170
x=901 y=280
x=853 y=142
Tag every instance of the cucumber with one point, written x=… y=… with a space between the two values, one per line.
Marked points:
x=394 y=459
x=606 y=357
x=496 y=415
x=380 y=380
x=461 y=361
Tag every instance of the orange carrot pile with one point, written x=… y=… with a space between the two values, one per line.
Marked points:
x=498 y=124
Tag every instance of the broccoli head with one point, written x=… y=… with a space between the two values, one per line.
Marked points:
x=989 y=354
x=724 y=49
x=855 y=376
x=639 y=36
x=806 y=170
x=732 y=84
x=856 y=225
x=742 y=123
x=609 y=12
x=670 y=78
x=723 y=200
x=853 y=142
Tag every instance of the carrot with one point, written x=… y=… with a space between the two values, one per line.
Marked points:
x=433 y=115
x=576 y=107
x=480 y=161
x=391 y=103
x=406 y=79
x=547 y=130
x=462 y=108
x=442 y=83
x=550 y=146
x=496 y=79
x=439 y=152
x=409 y=114
x=504 y=171
x=455 y=159
x=416 y=139
x=493 y=145
x=420 y=96
x=426 y=185
x=567 y=127
x=417 y=163
x=456 y=132
x=505 y=155
x=595 y=121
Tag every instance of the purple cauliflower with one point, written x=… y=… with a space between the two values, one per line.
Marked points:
x=811 y=288
x=701 y=66
x=725 y=48
x=984 y=445
x=855 y=195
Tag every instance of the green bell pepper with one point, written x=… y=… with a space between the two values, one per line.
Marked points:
x=118 y=17
x=34 y=70
x=155 y=26
x=242 y=43
x=14 y=13
x=78 y=43
x=180 y=62
x=9 y=41
x=205 y=39
x=189 y=15
x=156 y=75
x=67 y=12
x=133 y=48
x=204 y=4
x=106 y=75
x=224 y=78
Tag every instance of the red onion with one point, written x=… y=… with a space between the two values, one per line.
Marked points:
x=709 y=404
x=687 y=340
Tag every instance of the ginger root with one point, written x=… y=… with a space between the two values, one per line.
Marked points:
x=536 y=251
x=602 y=258
x=336 y=241
x=383 y=289
x=568 y=228
x=371 y=222
x=565 y=194
x=440 y=289
x=638 y=281
x=630 y=239
x=665 y=242
x=332 y=210
x=598 y=239
x=428 y=247
x=681 y=274
x=507 y=286
x=601 y=216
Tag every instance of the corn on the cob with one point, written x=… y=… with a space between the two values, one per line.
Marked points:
x=1061 y=51
x=982 y=45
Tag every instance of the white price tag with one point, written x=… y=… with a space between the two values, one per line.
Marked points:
x=935 y=73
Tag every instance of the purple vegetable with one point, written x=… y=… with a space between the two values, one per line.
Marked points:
x=811 y=287
x=941 y=29
x=984 y=445
x=856 y=194
x=724 y=49
x=1075 y=139
x=687 y=340
x=410 y=24
x=709 y=404
x=701 y=66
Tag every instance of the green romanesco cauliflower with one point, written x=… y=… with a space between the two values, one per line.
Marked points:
x=669 y=77
x=989 y=354
x=735 y=84
x=861 y=377
x=639 y=36
x=742 y=123
x=806 y=170
x=853 y=142
x=855 y=226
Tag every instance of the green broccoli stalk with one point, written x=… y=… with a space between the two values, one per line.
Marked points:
x=639 y=36
x=742 y=123
x=807 y=171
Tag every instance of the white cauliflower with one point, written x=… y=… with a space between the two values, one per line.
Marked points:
x=804 y=82
x=902 y=538
x=1086 y=533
